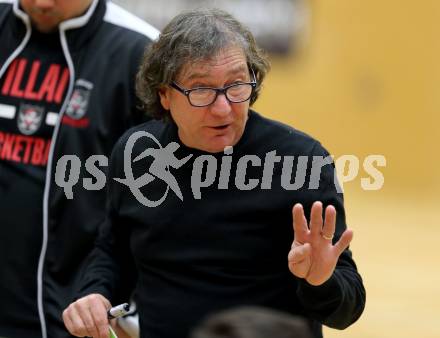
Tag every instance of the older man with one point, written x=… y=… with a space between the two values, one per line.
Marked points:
x=60 y=93
x=226 y=238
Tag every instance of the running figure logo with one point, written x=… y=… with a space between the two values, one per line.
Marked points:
x=163 y=159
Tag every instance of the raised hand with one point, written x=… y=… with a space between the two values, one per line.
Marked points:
x=313 y=256
x=88 y=317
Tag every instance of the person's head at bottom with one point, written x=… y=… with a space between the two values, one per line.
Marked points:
x=203 y=73
x=252 y=322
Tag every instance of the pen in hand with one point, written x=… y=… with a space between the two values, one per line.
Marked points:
x=118 y=311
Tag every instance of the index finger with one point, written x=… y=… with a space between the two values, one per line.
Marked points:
x=300 y=227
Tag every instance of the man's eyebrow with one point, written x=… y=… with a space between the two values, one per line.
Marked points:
x=193 y=76
x=232 y=70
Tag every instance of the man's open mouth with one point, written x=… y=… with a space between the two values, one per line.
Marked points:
x=222 y=127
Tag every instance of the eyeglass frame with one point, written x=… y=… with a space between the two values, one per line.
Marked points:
x=218 y=91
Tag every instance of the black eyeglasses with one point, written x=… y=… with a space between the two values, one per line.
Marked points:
x=204 y=96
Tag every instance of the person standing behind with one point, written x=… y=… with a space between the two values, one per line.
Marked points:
x=67 y=71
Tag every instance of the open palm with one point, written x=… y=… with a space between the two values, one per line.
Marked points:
x=313 y=256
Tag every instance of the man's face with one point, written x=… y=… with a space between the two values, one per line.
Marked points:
x=46 y=15
x=220 y=124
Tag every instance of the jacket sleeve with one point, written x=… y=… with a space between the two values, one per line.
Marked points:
x=110 y=267
x=340 y=301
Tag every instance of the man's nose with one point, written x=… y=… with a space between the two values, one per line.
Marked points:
x=221 y=105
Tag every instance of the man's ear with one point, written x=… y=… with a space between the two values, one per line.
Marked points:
x=164 y=94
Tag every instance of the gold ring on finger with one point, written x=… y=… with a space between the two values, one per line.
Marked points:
x=329 y=238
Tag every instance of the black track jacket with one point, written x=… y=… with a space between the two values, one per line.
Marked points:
x=102 y=49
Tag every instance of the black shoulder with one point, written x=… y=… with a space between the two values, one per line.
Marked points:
x=151 y=128
x=287 y=139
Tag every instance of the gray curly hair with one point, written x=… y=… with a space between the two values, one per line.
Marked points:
x=193 y=36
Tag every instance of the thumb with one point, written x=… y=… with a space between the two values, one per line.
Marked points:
x=299 y=260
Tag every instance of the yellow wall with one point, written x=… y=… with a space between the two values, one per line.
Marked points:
x=367 y=82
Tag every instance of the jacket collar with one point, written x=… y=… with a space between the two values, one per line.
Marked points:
x=79 y=29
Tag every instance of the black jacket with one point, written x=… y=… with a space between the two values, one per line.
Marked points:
x=228 y=246
x=102 y=49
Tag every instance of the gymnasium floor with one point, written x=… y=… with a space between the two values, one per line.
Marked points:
x=396 y=246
